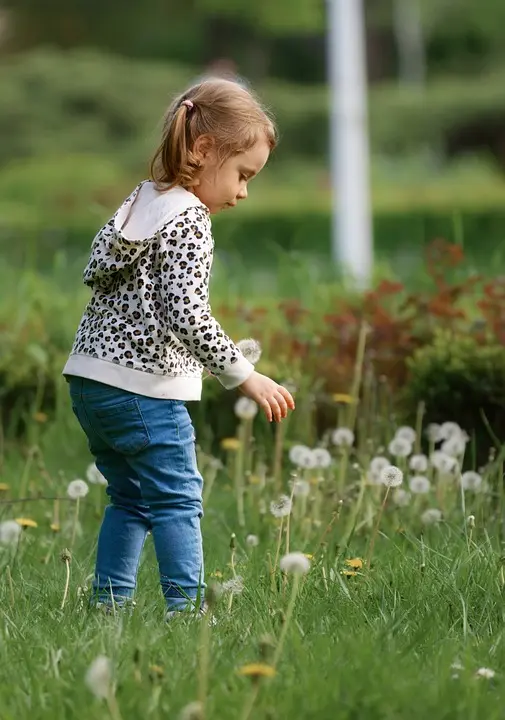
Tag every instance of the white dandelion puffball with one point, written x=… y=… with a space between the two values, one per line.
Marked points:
x=94 y=476
x=449 y=430
x=281 y=507
x=301 y=488
x=401 y=497
x=77 y=489
x=298 y=455
x=434 y=433
x=454 y=447
x=321 y=458
x=378 y=463
x=99 y=677
x=445 y=464
x=471 y=481
x=10 y=531
x=485 y=673
x=193 y=711
x=234 y=586
x=295 y=563
x=252 y=540
x=406 y=433
x=343 y=437
x=419 y=485
x=250 y=349
x=391 y=476
x=400 y=447
x=245 y=408
x=418 y=463
x=431 y=516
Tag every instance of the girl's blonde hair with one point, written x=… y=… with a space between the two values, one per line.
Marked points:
x=222 y=109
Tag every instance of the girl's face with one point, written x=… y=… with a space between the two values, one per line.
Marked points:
x=222 y=185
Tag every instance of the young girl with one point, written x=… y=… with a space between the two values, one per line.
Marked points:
x=148 y=331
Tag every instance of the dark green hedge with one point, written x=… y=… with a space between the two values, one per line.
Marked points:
x=399 y=237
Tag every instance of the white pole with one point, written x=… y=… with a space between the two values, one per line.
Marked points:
x=351 y=226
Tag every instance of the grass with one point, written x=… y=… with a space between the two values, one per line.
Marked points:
x=378 y=644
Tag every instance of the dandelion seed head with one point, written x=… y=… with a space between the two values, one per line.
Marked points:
x=378 y=463
x=431 y=516
x=77 y=489
x=471 y=521
x=401 y=497
x=434 y=433
x=485 y=673
x=449 y=430
x=252 y=540
x=406 y=433
x=98 y=677
x=234 y=586
x=343 y=437
x=10 y=531
x=245 y=408
x=281 y=507
x=400 y=447
x=391 y=476
x=300 y=455
x=301 y=488
x=419 y=485
x=454 y=447
x=192 y=711
x=471 y=481
x=295 y=563
x=418 y=463
x=321 y=458
x=250 y=349
x=445 y=464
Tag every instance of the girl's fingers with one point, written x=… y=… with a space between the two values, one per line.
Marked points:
x=277 y=413
x=266 y=409
x=287 y=396
x=282 y=403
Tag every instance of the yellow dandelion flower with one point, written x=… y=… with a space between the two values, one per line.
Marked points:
x=343 y=398
x=4 y=487
x=156 y=671
x=309 y=556
x=349 y=573
x=55 y=527
x=230 y=443
x=257 y=670
x=217 y=573
x=255 y=480
x=40 y=417
x=354 y=563
x=26 y=522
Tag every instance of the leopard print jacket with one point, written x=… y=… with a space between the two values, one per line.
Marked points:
x=148 y=326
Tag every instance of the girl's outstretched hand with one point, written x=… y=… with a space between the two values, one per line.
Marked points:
x=272 y=398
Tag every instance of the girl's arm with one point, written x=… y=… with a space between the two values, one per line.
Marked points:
x=186 y=253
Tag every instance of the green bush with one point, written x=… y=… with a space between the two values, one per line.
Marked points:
x=460 y=378
x=86 y=101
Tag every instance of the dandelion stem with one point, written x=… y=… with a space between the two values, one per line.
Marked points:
x=421 y=407
x=279 y=445
x=251 y=699
x=76 y=520
x=11 y=585
x=239 y=472
x=277 y=552
x=113 y=706
x=67 y=583
x=289 y=613
x=203 y=678
x=376 y=529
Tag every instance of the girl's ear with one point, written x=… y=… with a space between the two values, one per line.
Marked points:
x=204 y=146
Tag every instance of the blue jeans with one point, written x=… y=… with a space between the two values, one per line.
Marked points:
x=145 y=448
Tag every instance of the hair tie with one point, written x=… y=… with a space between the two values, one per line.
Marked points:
x=188 y=103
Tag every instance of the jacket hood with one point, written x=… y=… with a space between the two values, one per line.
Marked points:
x=133 y=229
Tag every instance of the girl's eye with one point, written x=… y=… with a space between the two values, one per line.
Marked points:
x=243 y=177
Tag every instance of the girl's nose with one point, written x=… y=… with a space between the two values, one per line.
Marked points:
x=242 y=195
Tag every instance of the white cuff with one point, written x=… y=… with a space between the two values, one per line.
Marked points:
x=236 y=374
